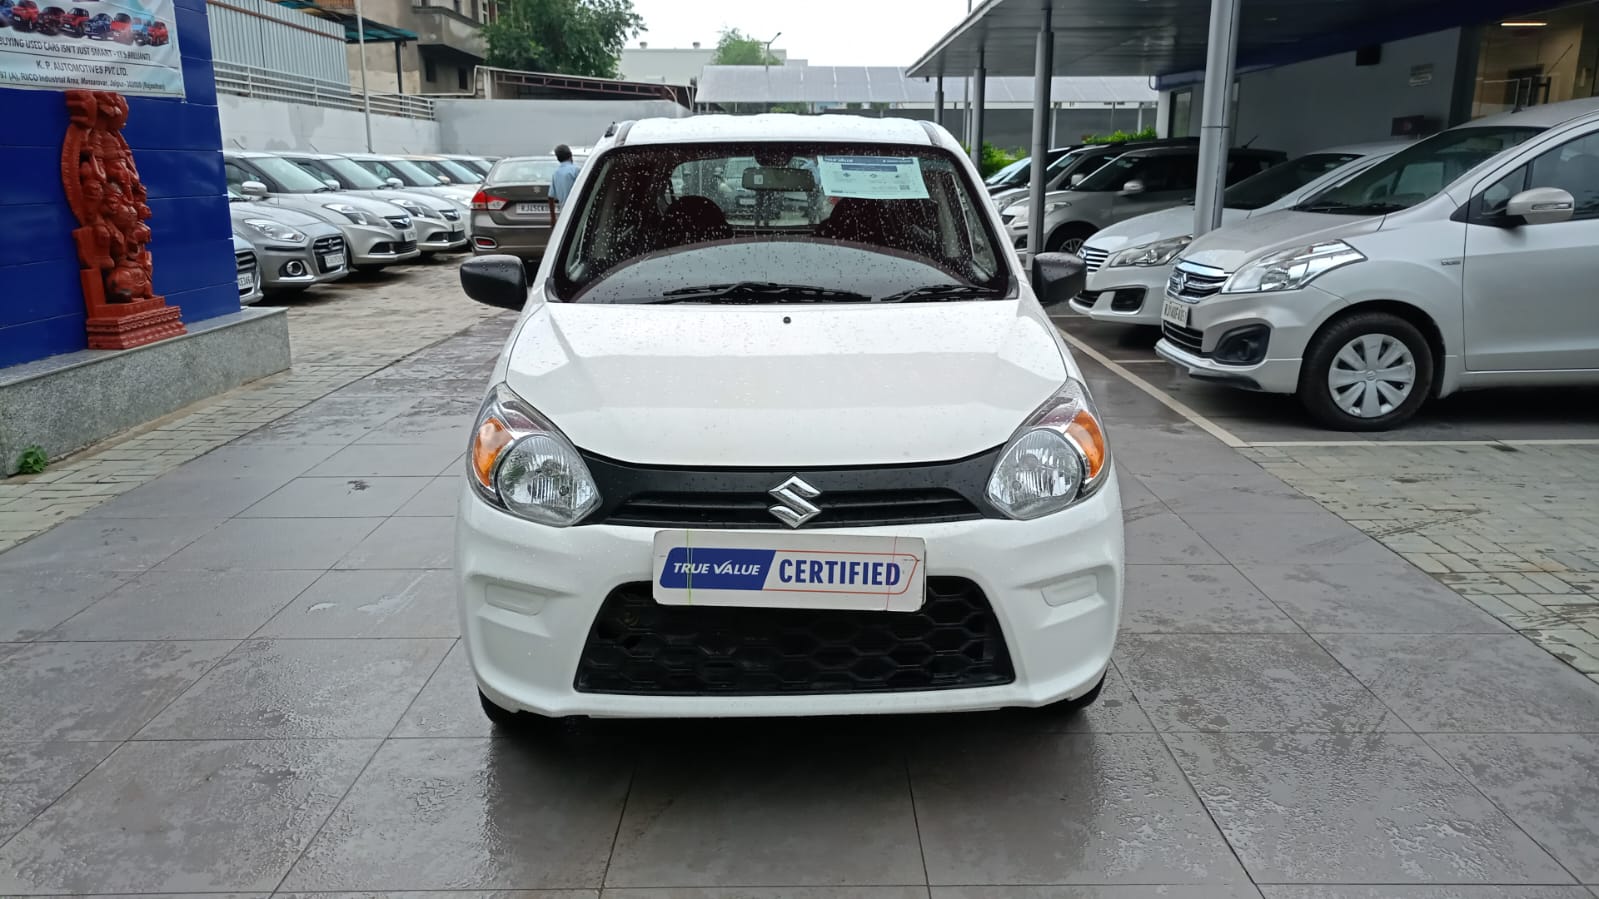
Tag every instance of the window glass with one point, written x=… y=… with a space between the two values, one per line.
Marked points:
x=1574 y=168
x=1494 y=199
x=523 y=171
x=1417 y=173
x=653 y=216
x=1112 y=175
x=286 y=176
x=1278 y=181
x=358 y=178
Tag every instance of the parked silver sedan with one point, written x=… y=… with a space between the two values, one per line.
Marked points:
x=440 y=223
x=244 y=265
x=293 y=250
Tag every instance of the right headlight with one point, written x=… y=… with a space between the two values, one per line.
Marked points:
x=275 y=230
x=349 y=212
x=520 y=462
x=1292 y=269
x=1158 y=253
x=1057 y=458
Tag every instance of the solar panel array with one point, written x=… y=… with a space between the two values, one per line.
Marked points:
x=886 y=84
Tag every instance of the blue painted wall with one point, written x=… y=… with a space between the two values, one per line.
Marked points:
x=177 y=145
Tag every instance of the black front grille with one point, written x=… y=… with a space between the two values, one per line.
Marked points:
x=437 y=236
x=245 y=262
x=740 y=498
x=1128 y=299
x=328 y=245
x=1187 y=338
x=1086 y=300
x=404 y=246
x=639 y=647
x=1093 y=259
x=1193 y=283
x=399 y=221
x=450 y=215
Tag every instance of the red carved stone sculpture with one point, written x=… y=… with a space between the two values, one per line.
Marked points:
x=103 y=189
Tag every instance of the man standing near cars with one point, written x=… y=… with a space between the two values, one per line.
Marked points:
x=565 y=175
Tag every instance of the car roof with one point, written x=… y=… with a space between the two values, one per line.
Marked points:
x=546 y=157
x=1546 y=116
x=777 y=127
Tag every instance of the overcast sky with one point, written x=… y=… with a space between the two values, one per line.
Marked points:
x=823 y=32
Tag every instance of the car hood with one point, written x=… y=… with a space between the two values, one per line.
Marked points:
x=429 y=202
x=316 y=204
x=270 y=211
x=774 y=386
x=1229 y=247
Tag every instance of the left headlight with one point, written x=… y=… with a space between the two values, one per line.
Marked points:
x=519 y=461
x=413 y=209
x=275 y=230
x=1158 y=253
x=1292 y=269
x=1056 y=459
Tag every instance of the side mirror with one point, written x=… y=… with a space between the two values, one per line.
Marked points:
x=1541 y=206
x=1057 y=277
x=1133 y=187
x=444 y=179
x=394 y=183
x=332 y=183
x=1078 y=178
x=498 y=280
x=253 y=189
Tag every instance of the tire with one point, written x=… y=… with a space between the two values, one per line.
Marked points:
x=1068 y=238
x=503 y=718
x=1067 y=707
x=1356 y=351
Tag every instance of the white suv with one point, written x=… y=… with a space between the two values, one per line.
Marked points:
x=803 y=467
x=1467 y=260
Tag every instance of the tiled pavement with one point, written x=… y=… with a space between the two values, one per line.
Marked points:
x=340 y=332
x=244 y=678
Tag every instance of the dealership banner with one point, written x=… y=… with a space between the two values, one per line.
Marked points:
x=128 y=46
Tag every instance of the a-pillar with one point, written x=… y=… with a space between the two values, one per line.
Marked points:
x=938 y=102
x=1221 y=59
x=1043 y=77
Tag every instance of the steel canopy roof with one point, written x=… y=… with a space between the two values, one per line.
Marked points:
x=1160 y=37
x=881 y=84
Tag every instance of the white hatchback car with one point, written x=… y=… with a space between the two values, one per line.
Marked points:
x=1467 y=260
x=834 y=467
x=1129 y=263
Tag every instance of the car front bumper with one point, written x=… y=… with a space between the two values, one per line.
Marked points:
x=377 y=245
x=292 y=268
x=1128 y=295
x=439 y=235
x=1290 y=318
x=529 y=594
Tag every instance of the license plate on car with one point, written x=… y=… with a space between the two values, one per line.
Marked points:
x=532 y=209
x=247 y=282
x=409 y=234
x=789 y=571
x=1175 y=312
x=333 y=261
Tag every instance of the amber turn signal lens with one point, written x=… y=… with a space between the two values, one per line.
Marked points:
x=1085 y=431
x=491 y=439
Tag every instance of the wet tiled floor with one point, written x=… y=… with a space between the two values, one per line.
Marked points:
x=244 y=678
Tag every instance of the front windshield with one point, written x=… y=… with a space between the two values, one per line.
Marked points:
x=524 y=171
x=453 y=170
x=353 y=175
x=1417 y=173
x=289 y=177
x=1281 y=180
x=779 y=222
x=403 y=169
x=1016 y=171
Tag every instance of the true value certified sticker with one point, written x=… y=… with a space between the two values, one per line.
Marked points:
x=794 y=571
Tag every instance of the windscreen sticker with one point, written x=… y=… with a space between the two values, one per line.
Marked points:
x=873 y=177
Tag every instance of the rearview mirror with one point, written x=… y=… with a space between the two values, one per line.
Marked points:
x=1057 y=277
x=779 y=179
x=253 y=189
x=332 y=183
x=1133 y=187
x=1541 y=206
x=394 y=183
x=498 y=280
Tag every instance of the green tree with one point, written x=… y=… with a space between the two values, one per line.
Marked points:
x=739 y=49
x=564 y=37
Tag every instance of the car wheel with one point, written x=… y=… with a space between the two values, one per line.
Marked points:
x=1068 y=239
x=1369 y=371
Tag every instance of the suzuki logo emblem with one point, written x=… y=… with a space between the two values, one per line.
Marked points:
x=794 y=506
x=1179 y=281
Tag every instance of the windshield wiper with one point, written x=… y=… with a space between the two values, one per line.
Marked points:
x=1351 y=208
x=759 y=292
x=935 y=292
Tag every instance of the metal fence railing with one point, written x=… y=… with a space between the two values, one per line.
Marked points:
x=248 y=81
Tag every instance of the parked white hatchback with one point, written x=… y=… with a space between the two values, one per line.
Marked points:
x=1129 y=263
x=1468 y=260
x=808 y=467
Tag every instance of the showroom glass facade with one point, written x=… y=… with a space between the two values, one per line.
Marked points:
x=1537 y=58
